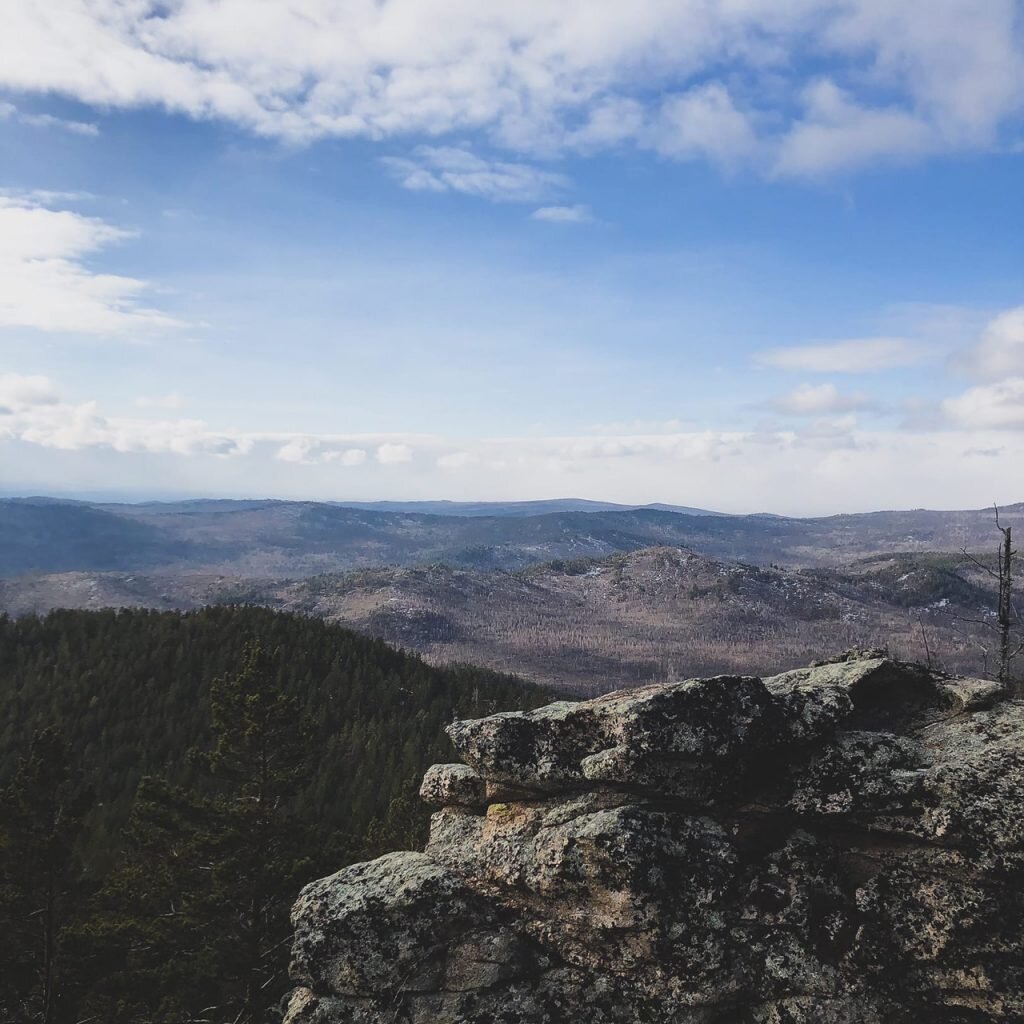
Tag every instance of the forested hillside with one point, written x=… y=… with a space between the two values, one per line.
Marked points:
x=168 y=781
x=129 y=690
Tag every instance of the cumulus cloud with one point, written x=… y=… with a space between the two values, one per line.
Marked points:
x=298 y=450
x=535 y=75
x=705 y=122
x=80 y=426
x=33 y=411
x=347 y=456
x=45 y=281
x=999 y=406
x=999 y=351
x=577 y=214
x=855 y=355
x=390 y=454
x=820 y=400
x=457 y=169
x=310 y=451
x=21 y=391
x=837 y=133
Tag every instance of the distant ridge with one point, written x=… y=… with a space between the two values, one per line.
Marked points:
x=517 y=508
x=261 y=538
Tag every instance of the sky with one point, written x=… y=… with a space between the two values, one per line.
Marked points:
x=747 y=255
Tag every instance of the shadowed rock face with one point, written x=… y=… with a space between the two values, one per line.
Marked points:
x=834 y=845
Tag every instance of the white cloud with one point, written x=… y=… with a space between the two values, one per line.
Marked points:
x=837 y=133
x=45 y=282
x=10 y=112
x=457 y=169
x=855 y=355
x=49 y=121
x=389 y=454
x=347 y=456
x=958 y=63
x=76 y=427
x=998 y=406
x=310 y=451
x=705 y=122
x=19 y=391
x=999 y=351
x=819 y=400
x=44 y=196
x=34 y=411
x=535 y=75
x=610 y=121
x=299 y=450
x=577 y=214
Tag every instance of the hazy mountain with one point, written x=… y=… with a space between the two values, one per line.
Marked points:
x=42 y=534
x=516 y=508
x=295 y=539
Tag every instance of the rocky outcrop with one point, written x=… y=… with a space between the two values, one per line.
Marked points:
x=838 y=844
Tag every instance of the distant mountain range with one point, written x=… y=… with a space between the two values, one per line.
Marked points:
x=300 y=539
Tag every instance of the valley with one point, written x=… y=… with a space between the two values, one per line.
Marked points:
x=591 y=625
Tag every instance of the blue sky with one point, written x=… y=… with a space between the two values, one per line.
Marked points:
x=742 y=255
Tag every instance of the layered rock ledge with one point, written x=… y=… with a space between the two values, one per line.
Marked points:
x=838 y=844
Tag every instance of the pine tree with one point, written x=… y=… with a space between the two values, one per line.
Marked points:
x=41 y=815
x=404 y=826
x=198 y=914
x=146 y=943
x=261 y=853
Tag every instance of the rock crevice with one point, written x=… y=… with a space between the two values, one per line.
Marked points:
x=837 y=844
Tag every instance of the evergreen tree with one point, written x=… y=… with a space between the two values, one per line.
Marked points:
x=146 y=943
x=261 y=852
x=405 y=824
x=199 y=911
x=41 y=816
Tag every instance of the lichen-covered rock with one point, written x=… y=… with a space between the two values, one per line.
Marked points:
x=672 y=738
x=838 y=844
x=390 y=924
x=453 y=785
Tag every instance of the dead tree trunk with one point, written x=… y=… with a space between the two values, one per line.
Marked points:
x=1007 y=620
x=1005 y=613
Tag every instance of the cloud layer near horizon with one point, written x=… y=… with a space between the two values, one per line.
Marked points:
x=819 y=470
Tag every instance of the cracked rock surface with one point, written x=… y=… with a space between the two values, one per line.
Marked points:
x=842 y=844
